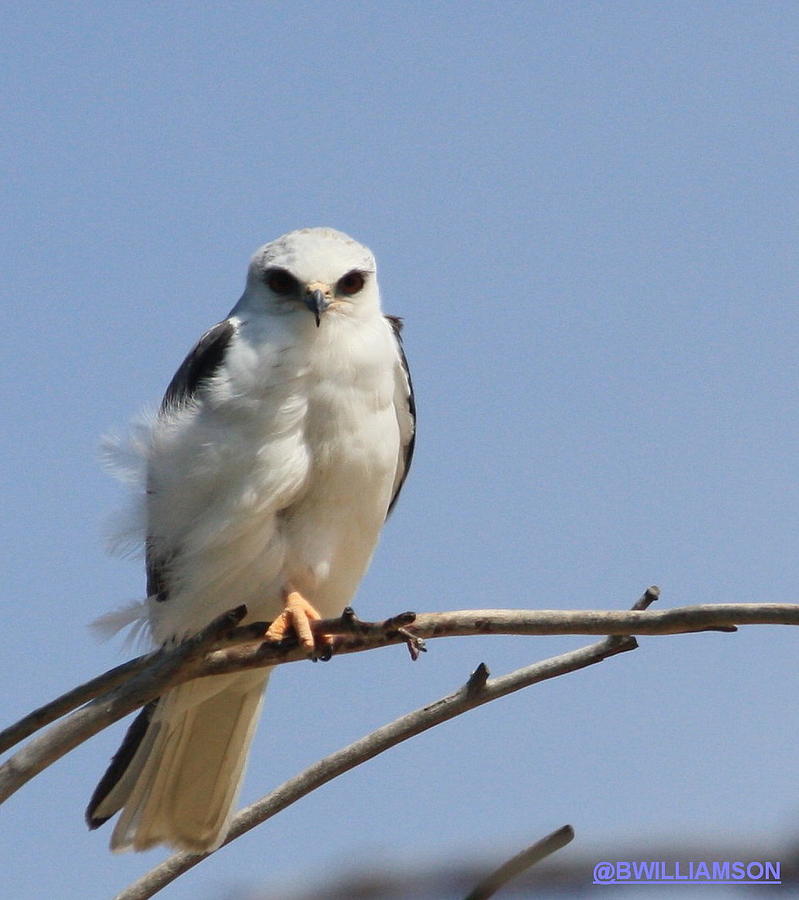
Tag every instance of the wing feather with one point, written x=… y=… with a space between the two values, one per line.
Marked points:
x=201 y=364
x=405 y=406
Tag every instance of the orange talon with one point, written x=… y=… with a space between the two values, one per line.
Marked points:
x=297 y=616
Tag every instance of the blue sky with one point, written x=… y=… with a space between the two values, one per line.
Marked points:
x=587 y=215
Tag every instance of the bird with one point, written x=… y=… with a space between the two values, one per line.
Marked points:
x=279 y=449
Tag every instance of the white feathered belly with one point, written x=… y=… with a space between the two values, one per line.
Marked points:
x=295 y=498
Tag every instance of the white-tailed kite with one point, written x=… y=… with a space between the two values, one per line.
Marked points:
x=280 y=447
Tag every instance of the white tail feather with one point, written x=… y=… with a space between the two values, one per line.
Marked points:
x=185 y=777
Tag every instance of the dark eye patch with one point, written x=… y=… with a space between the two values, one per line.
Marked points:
x=351 y=283
x=281 y=282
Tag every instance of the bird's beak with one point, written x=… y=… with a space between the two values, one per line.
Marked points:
x=316 y=301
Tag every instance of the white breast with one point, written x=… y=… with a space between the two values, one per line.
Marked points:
x=281 y=475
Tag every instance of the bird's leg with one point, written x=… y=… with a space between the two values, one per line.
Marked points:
x=297 y=616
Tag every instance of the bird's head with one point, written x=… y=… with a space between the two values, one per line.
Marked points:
x=316 y=270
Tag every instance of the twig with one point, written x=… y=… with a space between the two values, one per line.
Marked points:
x=644 y=602
x=649 y=596
x=349 y=623
x=477 y=680
x=428 y=716
x=522 y=861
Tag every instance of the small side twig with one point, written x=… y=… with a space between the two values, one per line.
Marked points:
x=413 y=642
x=649 y=596
x=477 y=680
x=521 y=862
x=349 y=624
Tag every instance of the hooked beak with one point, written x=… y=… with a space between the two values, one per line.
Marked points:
x=316 y=301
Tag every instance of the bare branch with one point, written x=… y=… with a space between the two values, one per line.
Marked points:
x=468 y=697
x=521 y=862
x=64 y=704
x=222 y=649
x=48 y=713
x=166 y=671
x=462 y=623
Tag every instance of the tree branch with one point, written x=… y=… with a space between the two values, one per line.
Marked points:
x=221 y=648
x=220 y=633
x=167 y=670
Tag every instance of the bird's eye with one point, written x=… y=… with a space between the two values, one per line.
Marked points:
x=281 y=282
x=351 y=283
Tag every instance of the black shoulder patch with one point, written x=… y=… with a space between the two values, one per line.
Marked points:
x=396 y=323
x=200 y=365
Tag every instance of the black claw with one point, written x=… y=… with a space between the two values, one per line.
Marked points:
x=324 y=655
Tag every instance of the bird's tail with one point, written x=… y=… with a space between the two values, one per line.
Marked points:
x=178 y=772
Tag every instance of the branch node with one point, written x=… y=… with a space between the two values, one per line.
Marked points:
x=622 y=642
x=222 y=625
x=414 y=644
x=400 y=620
x=647 y=598
x=477 y=680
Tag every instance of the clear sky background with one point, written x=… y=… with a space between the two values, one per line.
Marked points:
x=587 y=215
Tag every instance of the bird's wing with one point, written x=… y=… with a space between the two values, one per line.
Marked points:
x=405 y=407
x=202 y=362
x=201 y=767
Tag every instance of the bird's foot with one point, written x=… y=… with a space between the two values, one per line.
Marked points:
x=297 y=616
